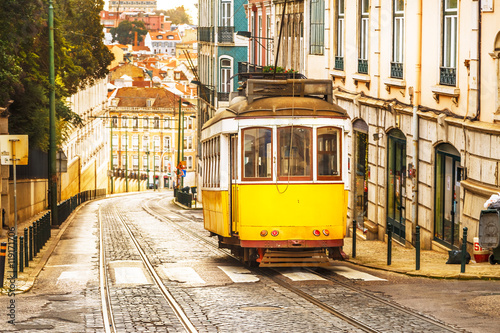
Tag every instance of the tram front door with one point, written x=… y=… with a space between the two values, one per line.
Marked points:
x=396 y=177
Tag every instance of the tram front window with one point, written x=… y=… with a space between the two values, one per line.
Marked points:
x=328 y=152
x=257 y=157
x=295 y=162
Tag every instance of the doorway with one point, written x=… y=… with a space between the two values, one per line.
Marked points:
x=360 y=172
x=446 y=199
x=396 y=179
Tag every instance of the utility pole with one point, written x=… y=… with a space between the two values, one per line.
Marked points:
x=52 y=121
x=111 y=155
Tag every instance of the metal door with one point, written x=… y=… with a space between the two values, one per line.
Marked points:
x=396 y=178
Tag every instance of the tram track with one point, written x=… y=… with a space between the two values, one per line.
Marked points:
x=158 y=211
x=107 y=308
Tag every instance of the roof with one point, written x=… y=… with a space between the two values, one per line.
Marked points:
x=137 y=97
x=164 y=35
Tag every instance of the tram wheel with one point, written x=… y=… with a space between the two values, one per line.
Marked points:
x=492 y=259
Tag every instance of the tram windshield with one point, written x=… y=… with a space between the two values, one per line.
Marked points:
x=257 y=158
x=294 y=152
x=328 y=152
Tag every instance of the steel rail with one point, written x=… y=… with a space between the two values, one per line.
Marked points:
x=179 y=312
x=107 y=313
x=386 y=302
x=282 y=283
x=302 y=294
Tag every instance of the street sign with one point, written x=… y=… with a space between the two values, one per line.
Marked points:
x=20 y=149
x=183 y=173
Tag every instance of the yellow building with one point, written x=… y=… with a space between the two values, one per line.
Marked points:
x=144 y=131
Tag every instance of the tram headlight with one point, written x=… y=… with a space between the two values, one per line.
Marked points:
x=275 y=233
x=316 y=233
x=326 y=232
x=263 y=233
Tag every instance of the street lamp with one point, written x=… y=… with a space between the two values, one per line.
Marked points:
x=180 y=148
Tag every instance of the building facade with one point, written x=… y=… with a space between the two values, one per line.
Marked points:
x=144 y=131
x=132 y=6
x=220 y=49
x=420 y=82
x=162 y=42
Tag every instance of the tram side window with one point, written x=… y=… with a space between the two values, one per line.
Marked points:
x=329 y=153
x=211 y=160
x=295 y=162
x=257 y=153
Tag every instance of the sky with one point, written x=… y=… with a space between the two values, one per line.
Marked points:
x=168 y=4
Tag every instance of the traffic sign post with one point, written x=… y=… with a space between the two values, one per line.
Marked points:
x=14 y=151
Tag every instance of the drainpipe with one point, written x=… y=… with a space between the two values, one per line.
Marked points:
x=480 y=23
x=416 y=103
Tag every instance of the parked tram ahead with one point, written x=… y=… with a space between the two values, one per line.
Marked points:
x=275 y=173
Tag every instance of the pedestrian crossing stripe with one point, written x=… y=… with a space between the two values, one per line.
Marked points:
x=239 y=274
x=295 y=275
x=183 y=275
x=353 y=274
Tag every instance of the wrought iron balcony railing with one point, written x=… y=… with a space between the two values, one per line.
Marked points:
x=206 y=93
x=206 y=34
x=225 y=34
x=339 y=63
x=362 y=66
x=448 y=76
x=223 y=96
x=396 y=70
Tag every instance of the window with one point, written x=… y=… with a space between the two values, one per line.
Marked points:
x=398 y=39
x=257 y=153
x=259 y=50
x=268 y=41
x=363 y=36
x=449 y=48
x=166 y=164
x=189 y=142
x=225 y=18
x=145 y=162
x=145 y=122
x=135 y=141
x=211 y=162
x=157 y=143
x=115 y=161
x=329 y=153
x=166 y=143
x=317 y=26
x=114 y=121
x=189 y=122
x=166 y=122
x=135 y=162
x=124 y=121
x=189 y=162
x=124 y=142
x=145 y=142
x=135 y=122
x=156 y=123
x=115 y=141
x=157 y=163
x=225 y=79
x=124 y=162
x=294 y=161
x=339 y=57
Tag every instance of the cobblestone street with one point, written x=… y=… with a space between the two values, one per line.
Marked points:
x=216 y=292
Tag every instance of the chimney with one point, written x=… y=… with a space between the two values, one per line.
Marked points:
x=135 y=39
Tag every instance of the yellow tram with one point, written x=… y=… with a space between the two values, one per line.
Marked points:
x=274 y=173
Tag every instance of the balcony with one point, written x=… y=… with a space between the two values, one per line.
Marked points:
x=206 y=93
x=362 y=66
x=448 y=76
x=206 y=34
x=396 y=70
x=223 y=96
x=246 y=67
x=225 y=34
x=339 y=63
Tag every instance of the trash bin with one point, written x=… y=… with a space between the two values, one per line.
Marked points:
x=489 y=233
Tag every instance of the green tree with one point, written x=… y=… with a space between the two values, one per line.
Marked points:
x=80 y=58
x=125 y=32
x=177 y=15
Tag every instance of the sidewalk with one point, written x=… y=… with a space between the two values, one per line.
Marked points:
x=26 y=279
x=373 y=254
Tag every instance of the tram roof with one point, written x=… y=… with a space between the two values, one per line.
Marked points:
x=285 y=106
